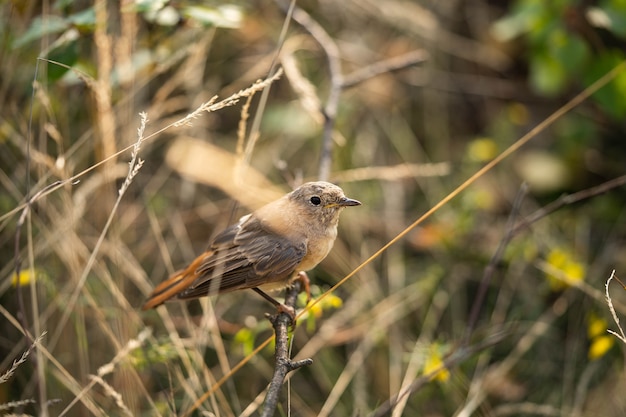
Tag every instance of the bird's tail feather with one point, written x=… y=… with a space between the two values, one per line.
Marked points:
x=168 y=289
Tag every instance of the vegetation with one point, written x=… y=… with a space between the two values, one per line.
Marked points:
x=492 y=304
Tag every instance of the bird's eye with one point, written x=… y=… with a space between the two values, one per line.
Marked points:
x=315 y=200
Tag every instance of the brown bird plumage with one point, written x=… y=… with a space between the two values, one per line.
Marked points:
x=264 y=249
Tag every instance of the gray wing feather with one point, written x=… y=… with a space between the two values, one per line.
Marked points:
x=245 y=255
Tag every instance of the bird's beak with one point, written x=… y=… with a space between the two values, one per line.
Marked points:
x=345 y=202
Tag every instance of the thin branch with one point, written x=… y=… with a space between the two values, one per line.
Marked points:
x=495 y=260
x=382 y=67
x=393 y=172
x=272 y=75
x=281 y=323
x=567 y=200
x=621 y=336
x=336 y=83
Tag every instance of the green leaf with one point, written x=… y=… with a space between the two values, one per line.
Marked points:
x=523 y=18
x=571 y=52
x=148 y=6
x=227 y=16
x=67 y=54
x=84 y=19
x=547 y=75
x=41 y=27
x=612 y=97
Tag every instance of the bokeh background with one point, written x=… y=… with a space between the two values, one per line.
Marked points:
x=426 y=93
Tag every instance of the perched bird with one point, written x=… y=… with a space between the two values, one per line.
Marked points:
x=265 y=249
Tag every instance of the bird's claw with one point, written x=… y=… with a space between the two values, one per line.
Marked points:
x=306 y=285
x=288 y=310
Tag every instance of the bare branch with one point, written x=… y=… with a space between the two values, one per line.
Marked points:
x=336 y=82
x=493 y=262
x=567 y=200
x=281 y=322
x=389 y=65
x=621 y=336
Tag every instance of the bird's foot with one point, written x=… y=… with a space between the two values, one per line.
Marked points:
x=306 y=284
x=288 y=310
x=282 y=308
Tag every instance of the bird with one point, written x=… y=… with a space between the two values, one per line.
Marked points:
x=264 y=250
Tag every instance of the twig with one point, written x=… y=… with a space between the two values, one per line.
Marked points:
x=284 y=364
x=621 y=336
x=567 y=200
x=337 y=80
x=393 y=172
x=388 y=65
x=491 y=267
x=336 y=83
x=272 y=74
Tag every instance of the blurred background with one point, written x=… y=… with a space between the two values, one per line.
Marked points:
x=411 y=98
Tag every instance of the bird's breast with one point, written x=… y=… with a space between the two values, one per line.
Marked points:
x=318 y=246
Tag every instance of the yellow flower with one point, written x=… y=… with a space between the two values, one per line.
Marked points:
x=601 y=342
x=331 y=301
x=518 y=114
x=24 y=278
x=482 y=150
x=569 y=273
x=245 y=339
x=434 y=363
x=599 y=346
x=596 y=326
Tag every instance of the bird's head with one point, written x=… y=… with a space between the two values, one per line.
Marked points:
x=321 y=202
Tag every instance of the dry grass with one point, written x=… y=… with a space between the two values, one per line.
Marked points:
x=106 y=204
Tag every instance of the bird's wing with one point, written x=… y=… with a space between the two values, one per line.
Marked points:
x=193 y=281
x=245 y=255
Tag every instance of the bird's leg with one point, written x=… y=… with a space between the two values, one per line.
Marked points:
x=267 y=297
x=282 y=308
x=306 y=284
